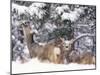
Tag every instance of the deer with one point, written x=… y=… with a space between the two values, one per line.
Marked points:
x=51 y=52
x=74 y=56
x=56 y=51
x=87 y=57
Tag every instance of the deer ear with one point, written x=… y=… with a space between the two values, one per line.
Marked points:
x=61 y=39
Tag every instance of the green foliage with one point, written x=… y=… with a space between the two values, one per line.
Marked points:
x=62 y=32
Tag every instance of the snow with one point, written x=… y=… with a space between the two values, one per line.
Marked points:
x=62 y=8
x=40 y=5
x=34 y=8
x=34 y=31
x=26 y=50
x=34 y=65
x=19 y=8
x=72 y=15
x=88 y=41
x=79 y=10
x=13 y=37
x=50 y=27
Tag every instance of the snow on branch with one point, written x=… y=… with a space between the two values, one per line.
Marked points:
x=35 y=8
x=61 y=9
x=72 y=15
x=40 y=5
x=20 y=9
x=81 y=36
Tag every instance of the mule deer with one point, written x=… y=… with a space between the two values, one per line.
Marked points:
x=87 y=58
x=51 y=51
x=72 y=55
x=56 y=51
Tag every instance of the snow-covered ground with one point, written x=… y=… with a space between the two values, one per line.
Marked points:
x=34 y=65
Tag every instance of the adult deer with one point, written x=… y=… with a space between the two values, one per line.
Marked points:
x=56 y=51
x=51 y=51
x=74 y=56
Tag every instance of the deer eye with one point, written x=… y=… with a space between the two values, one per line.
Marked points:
x=66 y=46
x=58 y=55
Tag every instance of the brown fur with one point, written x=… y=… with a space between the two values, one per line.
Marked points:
x=87 y=58
x=49 y=53
x=83 y=58
x=43 y=52
x=74 y=56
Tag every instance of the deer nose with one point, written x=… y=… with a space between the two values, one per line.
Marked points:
x=66 y=46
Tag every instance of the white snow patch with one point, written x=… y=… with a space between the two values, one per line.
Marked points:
x=61 y=9
x=35 y=9
x=19 y=8
x=13 y=37
x=40 y=5
x=72 y=15
x=88 y=41
x=50 y=27
x=34 y=65
x=26 y=51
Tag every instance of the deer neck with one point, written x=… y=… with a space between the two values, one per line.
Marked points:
x=28 y=37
